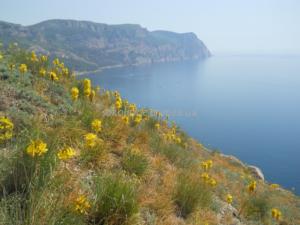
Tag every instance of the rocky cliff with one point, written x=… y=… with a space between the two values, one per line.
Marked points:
x=90 y=46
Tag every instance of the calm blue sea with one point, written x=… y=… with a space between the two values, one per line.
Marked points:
x=247 y=106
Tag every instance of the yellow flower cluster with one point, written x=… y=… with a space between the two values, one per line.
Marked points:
x=87 y=87
x=23 y=68
x=274 y=186
x=208 y=179
x=37 y=148
x=229 y=198
x=90 y=140
x=6 y=129
x=82 y=205
x=42 y=72
x=138 y=118
x=44 y=58
x=132 y=108
x=66 y=153
x=157 y=126
x=125 y=119
x=96 y=125
x=207 y=165
x=34 y=58
x=171 y=136
x=118 y=102
x=252 y=186
x=53 y=76
x=74 y=93
x=56 y=62
x=276 y=214
x=1 y=56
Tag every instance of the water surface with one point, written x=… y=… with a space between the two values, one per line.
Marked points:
x=247 y=106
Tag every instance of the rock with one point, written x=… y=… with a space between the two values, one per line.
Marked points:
x=256 y=172
x=233 y=159
x=227 y=211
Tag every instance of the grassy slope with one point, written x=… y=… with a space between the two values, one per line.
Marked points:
x=136 y=173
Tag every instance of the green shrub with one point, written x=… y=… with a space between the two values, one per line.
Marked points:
x=134 y=163
x=190 y=193
x=116 y=199
x=257 y=207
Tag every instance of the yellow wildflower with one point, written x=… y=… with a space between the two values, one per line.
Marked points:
x=34 y=58
x=205 y=176
x=138 y=118
x=229 y=198
x=178 y=140
x=1 y=56
x=42 y=72
x=274 y=186
x=82 y=205
x=125 y=119
x=74 y=93
x=96 y=125
x=56 y=62
x=118 y=105
x=276 y=214
x=90 y=140
x=53 y=76
x=65 y=71
x=157 y=126
x=87 y=87
x=44 y=58
x=6 y=129
x=213 y=182
x=23 y=68
x=37 y=148
x=132 y=107
x=66 y=153
x=204 y=166
x=252 y=186
x=209 y=163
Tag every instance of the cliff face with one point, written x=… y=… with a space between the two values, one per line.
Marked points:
x=88 y=46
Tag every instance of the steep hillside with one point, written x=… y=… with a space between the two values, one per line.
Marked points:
x=90 y=46
x=72 y=153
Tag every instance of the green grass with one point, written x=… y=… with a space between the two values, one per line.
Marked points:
x=190 y=193
x=134 y=163
x=116 y=199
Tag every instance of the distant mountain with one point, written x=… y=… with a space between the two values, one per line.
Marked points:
x=90 y=46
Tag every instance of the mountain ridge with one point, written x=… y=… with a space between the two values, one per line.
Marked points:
x=86 y=45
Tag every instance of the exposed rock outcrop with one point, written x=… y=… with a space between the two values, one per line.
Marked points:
x=91 y=46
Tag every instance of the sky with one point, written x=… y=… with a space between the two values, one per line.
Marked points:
x=225 y=26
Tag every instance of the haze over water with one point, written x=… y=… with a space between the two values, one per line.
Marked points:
x=246 y=106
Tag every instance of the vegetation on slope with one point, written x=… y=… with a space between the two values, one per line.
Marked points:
x=72 y=153
x=92 y=46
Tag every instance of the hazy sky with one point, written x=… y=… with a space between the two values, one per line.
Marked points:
x=225 y=26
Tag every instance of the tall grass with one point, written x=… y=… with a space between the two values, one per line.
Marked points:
x=190 y=193
x=134 y=163
x=116 y=199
